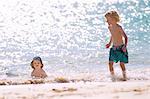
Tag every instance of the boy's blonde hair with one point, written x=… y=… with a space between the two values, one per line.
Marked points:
x=113 y=14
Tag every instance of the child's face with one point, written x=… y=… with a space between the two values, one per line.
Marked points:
x=110 y=20
x=37 y=64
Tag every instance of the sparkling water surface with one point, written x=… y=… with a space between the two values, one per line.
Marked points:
x=70 y=36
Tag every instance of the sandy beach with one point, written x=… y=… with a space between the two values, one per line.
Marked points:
x=70 y=37
x=78 y=90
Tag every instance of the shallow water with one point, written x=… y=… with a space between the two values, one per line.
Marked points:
x=70 y=36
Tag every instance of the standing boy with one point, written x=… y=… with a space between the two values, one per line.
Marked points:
x=118 y=51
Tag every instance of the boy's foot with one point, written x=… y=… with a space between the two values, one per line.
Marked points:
x=123 y=79
x=113 y=78
x=124 y=76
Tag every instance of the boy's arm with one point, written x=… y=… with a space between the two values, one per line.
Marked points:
x=44 y=74
x=124 y=35
x=108 y=45
x=110 y=37
x=110 y=40
x=32 y=73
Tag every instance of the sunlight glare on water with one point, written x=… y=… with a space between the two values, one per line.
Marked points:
x=69 y=34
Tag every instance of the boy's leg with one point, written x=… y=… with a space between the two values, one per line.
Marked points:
x=123 y=70
x=111 y=68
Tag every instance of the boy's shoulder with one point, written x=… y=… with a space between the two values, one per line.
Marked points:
x=119 y=25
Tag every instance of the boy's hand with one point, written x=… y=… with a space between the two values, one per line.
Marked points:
x=107 y=45
x=124 y=49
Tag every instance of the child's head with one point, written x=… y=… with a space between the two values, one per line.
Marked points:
x=112 y=16
x=36 y=63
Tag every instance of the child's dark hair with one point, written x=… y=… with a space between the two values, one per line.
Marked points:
x=36 y=58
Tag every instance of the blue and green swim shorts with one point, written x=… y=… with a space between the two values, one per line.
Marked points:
x=116 y=54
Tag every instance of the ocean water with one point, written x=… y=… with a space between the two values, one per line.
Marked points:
x=70 y=37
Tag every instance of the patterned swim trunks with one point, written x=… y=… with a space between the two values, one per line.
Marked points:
x=116 y=54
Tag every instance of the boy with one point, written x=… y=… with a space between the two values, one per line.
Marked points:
x=37 y=66
x=118 y=52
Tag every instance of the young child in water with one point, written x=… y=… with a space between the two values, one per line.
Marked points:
x=118 y=51
x=37 y=66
